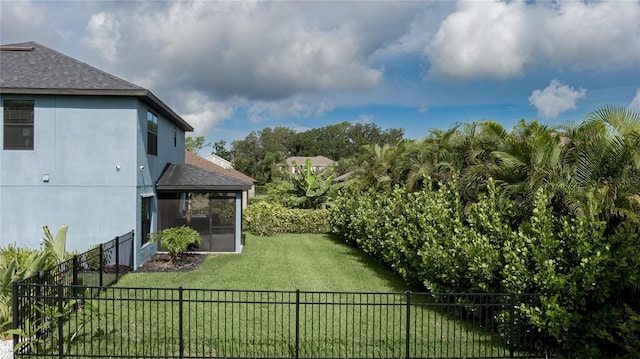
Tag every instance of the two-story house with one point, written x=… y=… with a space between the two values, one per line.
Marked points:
x=87 y=149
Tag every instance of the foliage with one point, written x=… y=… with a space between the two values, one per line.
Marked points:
x=260 y=153
x=306 y=188
x=94 y=261
x=51 y=316
x=55 y=247
x=220 y=150
x=582 y=275
x=176 y=240
x=18 y=263
x=266 y=218
x=195 y=145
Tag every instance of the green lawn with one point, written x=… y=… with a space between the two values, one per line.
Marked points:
x=283 y=262
x=245 y=305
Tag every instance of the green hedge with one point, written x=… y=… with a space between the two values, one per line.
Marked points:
x=584 y=277
x=264 y=218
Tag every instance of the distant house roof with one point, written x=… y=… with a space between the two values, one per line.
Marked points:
x=315 y=161
x=219 y=161
x=33 y=69
x=196 y=160
x=187 y=177
x=344 y=177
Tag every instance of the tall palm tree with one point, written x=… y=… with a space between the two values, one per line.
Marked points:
x=532 y=157
x=606 y=160
x=382 y=167
x=433 y=157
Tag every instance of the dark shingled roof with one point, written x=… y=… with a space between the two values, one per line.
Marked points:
x=203 y=163
x=44 y=68
x=33 y=69
x=186 y=177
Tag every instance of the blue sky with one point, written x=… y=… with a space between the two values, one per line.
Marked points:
x=233 y=67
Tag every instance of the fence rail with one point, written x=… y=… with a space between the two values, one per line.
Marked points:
x=120 y=322
x=36 y=299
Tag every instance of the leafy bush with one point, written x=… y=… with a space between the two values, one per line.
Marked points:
x=20 y=263
x=176 y=239
x=93 y=259
x=264 y=218
x=582 y=275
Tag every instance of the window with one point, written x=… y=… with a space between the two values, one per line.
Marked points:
x=145 y=216
x=18 y=125
x=152 y=134
x=175 y=137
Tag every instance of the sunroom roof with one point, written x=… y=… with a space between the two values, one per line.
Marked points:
x=186 y=177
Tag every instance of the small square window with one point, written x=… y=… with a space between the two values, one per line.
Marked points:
x=18 y=125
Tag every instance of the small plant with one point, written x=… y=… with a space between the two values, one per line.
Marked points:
x=17 y=264
x=79 y=312
x=176 y=240
x=94 y=262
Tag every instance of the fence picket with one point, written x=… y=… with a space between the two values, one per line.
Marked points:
x=136 y=323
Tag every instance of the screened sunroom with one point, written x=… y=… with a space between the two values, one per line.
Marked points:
x=209 y=202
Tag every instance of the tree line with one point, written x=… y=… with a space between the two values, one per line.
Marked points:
x=259 y=154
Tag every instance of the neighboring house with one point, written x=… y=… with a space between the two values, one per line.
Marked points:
x=85 y=148
x=318 y=163
x=219 y=161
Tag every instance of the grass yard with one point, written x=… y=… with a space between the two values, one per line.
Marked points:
x=283 y=262
x=245 y=305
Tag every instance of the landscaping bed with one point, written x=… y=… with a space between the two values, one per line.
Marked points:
x=160 y=262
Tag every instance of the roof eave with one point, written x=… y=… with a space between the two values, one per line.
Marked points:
x=145 y=95
x=63 y=91
x=191 y=188
x=152 y=100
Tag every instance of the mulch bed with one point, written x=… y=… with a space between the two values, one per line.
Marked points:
x=160 y=262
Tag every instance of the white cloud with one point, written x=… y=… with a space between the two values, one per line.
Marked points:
x=104 y=34
x=556 y=98
x=256 y=50
x=283 y=57
x=298 y=106
x=364 y=118
x=498 y=40
x=22 y=21
x=203 y=113
x=635 y=103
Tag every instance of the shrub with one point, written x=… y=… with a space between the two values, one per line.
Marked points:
x=20 y=263
x=176 y=240
x=93 y=260
x=583 y=276
x=264 y=218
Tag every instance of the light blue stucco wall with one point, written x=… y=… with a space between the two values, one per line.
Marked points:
x=79 y=142
x=92 y=149
x=168 y=152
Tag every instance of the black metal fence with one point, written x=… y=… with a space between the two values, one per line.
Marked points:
x=36 y=300
x=119 y=322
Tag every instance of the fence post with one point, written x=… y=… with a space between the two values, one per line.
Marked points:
x=74 y=271
x=408 y=325
x=117 y=243
x=512 y=326
x=74 y=279
x=14 y=307
x=101 y=266
x=180 y=323
x=38 y=315
x=60 y=321
x=297 y=323
x=131 y=249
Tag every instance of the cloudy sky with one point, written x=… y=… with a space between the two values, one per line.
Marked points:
x=232 y=67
